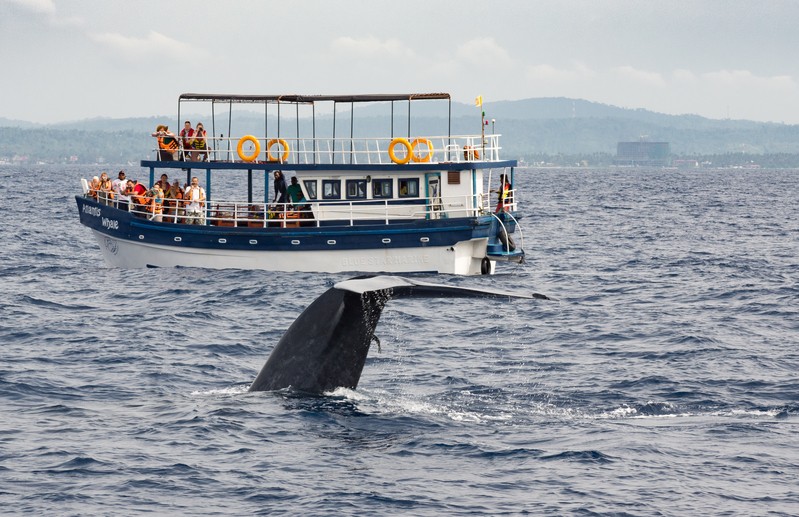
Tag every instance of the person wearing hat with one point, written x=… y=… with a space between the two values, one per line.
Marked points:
x=167 y=144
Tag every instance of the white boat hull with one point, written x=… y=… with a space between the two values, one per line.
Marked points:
x=464 y=258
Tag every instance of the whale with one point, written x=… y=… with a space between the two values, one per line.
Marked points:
x=325 y=348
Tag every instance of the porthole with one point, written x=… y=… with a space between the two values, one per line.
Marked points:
x=253 y=241
x=425 y=239
x=331 y=242
x=178 y=239
x=386 y=241
x=222 y=241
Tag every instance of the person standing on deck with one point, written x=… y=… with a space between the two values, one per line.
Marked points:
x=195 y=203
x=280 y=191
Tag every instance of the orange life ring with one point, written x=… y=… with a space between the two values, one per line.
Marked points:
x=285 y=145
x=408 y=151
x=470 y=153
x=240 y=148
x=425 y=158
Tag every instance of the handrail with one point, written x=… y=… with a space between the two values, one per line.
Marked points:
x=322 y=151
x=505 y=231
x=315 y=212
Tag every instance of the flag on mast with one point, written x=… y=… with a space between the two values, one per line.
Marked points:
x=478 y=101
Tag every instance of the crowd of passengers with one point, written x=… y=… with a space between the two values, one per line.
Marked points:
x=190 y=145
x=171 y=202
x=164 y=200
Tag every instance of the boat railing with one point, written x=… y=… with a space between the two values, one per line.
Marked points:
x=343 y=151
x=306 y=213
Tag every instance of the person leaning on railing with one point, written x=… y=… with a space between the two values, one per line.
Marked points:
x=174 y=203
x=167 y=143
x=106 y=193
x=156 y=203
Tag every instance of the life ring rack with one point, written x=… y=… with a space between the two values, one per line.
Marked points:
x=408 y=150
x=418 y=158
x=240 y=148
x=284 y=157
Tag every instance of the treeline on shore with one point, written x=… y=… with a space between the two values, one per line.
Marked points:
x=80 y=146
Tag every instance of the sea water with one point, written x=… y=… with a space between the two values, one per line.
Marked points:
x=661 y=379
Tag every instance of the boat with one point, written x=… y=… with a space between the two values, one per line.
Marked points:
x=414 y=199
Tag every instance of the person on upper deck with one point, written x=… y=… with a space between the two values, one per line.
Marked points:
x=280 y=191
x=167 y=144
x=195 y=202
x=199 y=144
x=186 y=138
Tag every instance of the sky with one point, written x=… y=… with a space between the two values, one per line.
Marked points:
x=66 y=60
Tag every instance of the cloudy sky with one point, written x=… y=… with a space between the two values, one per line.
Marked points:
x=67 y=59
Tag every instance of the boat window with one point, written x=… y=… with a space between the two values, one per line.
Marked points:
x=382 y=188
x=310 y=188
x=408 y=187
x=331 y=189
x=356 y=189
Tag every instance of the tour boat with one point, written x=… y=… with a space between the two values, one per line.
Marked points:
x=416 y=199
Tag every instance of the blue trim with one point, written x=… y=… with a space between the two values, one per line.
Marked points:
x=404 y=234
x=336 y=167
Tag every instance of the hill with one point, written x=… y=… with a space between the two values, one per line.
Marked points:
x=536 y=129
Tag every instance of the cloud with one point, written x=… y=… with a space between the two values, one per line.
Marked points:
x=46 y=9
x=642 y=77
x=484 y=52
x=549 y=73
x=155 y=44
x=371 y=47
x=746 y=79
x=36 y=6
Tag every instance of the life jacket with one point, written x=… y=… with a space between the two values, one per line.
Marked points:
x=167 y=143
x=106 y=187
x=199 y=140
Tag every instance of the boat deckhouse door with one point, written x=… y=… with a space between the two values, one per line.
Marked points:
x=433 y=195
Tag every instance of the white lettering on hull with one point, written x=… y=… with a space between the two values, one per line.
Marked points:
x=91 y=210
x=111 y=224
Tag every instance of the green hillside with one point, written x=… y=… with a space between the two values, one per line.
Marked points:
x=557 y=130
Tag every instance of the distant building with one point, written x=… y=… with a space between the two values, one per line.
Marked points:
x=643 y=153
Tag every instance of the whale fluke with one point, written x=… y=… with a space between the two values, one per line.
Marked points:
x=326 y=346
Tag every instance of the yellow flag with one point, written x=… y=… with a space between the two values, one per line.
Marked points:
x=478 y=101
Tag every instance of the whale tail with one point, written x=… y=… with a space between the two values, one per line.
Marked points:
x=326 y=346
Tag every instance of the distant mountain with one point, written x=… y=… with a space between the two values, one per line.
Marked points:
x=529 y=127
x=8 y=122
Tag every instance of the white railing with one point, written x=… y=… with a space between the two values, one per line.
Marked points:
x=343 y=212
x=364 y=151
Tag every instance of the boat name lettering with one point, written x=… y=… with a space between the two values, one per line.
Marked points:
x=111 y=224
x=91 y=210
x=385 y=261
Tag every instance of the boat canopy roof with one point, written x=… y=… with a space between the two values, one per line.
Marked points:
x=311 y=99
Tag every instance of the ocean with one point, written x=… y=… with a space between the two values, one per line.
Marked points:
x=661 y=379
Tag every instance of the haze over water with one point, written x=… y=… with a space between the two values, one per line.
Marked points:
x=661 y=380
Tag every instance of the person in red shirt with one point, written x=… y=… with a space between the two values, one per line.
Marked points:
x=186 y=138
